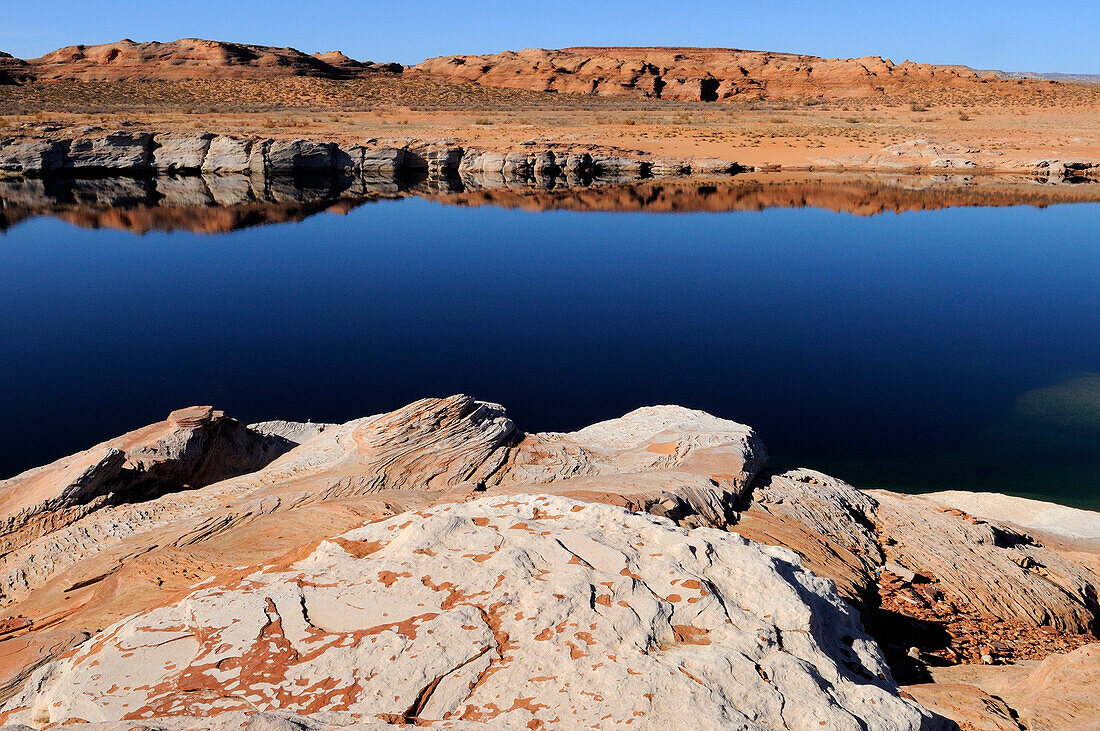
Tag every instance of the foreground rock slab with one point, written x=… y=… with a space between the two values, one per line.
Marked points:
x=526 y=610
x=360 y=531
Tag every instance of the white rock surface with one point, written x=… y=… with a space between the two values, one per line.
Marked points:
x=180 y=152
x=510 y=610
x=227 y=155
x=1026 y=513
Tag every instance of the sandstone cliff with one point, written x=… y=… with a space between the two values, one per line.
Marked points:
x=13 y=69
x=699 y=74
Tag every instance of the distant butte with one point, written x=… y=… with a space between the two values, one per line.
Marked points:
x=187 y=58
x=685 y=74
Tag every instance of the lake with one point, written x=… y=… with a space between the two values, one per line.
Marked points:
x=948 y=348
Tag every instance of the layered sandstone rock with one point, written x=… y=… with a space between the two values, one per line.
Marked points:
x=350 y=67
x=191 y=448
x=176 y=153
x=192 y=58
x=925 y=154
x=826 y=520
x=33 y=156
x=998 y=571
x=510 y=611
x=94 y=153
x=696 y=74
x=116 y=152
x=1037 y=515
x=1057 y=694
x=462 y=476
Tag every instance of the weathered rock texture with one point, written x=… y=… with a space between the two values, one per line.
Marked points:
x=697 y=74
x=190 y=58
x=984 y=567
x=503 y=610
x=998 y=571
x=341 y=588
x=95 y=153
x=927 y=154
x=1036 y=515
x=1057 y=694
x=182 y=153
x=192 y=448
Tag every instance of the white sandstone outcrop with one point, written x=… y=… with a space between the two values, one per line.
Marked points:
x=510 y=610
x=1027 y=513
x=96 y=562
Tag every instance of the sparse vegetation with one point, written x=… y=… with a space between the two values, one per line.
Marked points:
x=396 y=107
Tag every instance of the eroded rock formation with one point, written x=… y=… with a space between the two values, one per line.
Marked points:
x=698 y=74
x=94 y=152
x=14 y=70
x=511 y=577
x=509 y=611
x=1056 y=694
x=191 y=58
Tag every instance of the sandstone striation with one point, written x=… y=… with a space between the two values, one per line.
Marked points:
x=1056 y=694
x=192 y=448
x=698 y=74
x=1036 y=515
x=512 y=577
x=511 y=611
x=997 y=570
x=927 y=154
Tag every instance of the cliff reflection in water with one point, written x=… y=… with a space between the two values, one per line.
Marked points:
x=218 y=204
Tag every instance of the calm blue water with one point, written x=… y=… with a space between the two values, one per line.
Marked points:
x=906 y=351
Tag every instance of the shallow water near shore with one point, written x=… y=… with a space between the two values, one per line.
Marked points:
x=928 y=350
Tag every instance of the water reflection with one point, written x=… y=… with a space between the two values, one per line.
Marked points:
x=222 y=203
x=888 y=350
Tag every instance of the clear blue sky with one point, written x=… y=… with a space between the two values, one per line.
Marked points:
x=1013 y=35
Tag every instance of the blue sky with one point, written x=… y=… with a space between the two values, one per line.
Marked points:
x=1013 y=35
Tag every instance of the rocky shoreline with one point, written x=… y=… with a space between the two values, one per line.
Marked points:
x=94 y=153
x=644 y=567
x=137 y=153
